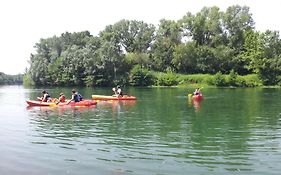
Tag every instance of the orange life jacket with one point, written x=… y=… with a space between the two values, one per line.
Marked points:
x=62 y=98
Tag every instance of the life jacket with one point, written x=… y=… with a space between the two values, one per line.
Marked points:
x=62 y=98
x=76 y=98
x=80 y=97
x=119 y=92
x=48 y=97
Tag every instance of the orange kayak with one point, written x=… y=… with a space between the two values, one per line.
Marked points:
x=80 y=103
x=197 y=97
x=108 y=97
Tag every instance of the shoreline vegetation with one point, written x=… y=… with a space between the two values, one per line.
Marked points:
x=161 y=79
x=216 y=80
x=6 y=79
x=212 y=47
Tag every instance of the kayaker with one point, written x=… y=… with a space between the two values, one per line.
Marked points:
x=75 y=97
x=197 y=91
x=119 y=91
x=61 y=98
x=46 y=97
x=115 y=91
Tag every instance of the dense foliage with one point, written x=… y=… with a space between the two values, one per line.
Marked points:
x=210 y=42
x=10 y=79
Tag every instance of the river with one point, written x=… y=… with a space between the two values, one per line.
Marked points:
x=231 y=131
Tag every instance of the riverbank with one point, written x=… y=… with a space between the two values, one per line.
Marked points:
x=170 y=79
x=216 y=80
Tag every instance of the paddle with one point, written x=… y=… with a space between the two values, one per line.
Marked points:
x=200 y=90
x=53 y=104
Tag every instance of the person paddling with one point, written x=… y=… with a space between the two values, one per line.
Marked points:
x=61 y=98
x=75 y=97
x=117 y=91
x=197 y=91
x=46 y=97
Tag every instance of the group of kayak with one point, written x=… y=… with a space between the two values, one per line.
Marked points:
x=77 y=99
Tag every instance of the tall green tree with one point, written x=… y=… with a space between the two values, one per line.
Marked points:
x=92 y=61
x=237 y=20
x=39 y=70
x=167 y=38
x=262 y=55
x=270 y=71
x=134 y=36
x=205 y=28
x=252 y=51
x=185 y=58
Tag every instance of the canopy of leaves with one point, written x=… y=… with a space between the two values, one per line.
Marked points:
x=211 y=41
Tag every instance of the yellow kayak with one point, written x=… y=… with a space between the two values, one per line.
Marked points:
x=113 y=97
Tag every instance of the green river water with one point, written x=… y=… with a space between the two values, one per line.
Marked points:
x=231 y=131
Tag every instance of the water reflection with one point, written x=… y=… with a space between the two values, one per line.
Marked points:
x=60 y=122
x=59 y=110
x=117 y=104
x=78 y=122
x=196 y=104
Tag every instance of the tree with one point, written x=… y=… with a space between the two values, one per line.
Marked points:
x=223 y=59
x=10 y=79
x=206 y=61
x=167 y=38
x=237 y=20
x=38 y=70
x=270 y=70
x=271 y=44
x=52 y=57
x=141 y=59
x=111 y=63
x=253 y=51
x=92 y=61
x=185 y=58
x=134 y=36
x=205 y=28
x=141 y=77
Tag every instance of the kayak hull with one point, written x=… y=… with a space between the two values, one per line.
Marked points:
x=108 y=97
x=80 y=103
x=197 y=97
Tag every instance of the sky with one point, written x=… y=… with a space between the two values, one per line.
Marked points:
x=25 y=22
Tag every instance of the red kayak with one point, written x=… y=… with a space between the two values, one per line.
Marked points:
x=80 y=103
x=197 y=97
x=108 y=97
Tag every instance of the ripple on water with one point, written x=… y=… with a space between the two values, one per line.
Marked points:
x=227 y=134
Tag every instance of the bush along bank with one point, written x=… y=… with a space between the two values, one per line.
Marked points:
x=218 y=79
